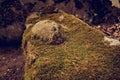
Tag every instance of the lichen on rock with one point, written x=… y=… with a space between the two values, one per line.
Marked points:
x=80 y=52
x=48 y=32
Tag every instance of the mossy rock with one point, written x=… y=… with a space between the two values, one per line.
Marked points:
x=81 y=56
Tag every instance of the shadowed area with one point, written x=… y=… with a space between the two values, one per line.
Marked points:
x=11 y=63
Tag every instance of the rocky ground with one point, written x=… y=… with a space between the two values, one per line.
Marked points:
x=11 y=63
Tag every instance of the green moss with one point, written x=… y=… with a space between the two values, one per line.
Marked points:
x=83 y=56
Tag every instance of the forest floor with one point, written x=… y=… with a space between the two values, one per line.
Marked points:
x=11 y=63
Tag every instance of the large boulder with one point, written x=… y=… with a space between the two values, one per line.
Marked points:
x=82 y=54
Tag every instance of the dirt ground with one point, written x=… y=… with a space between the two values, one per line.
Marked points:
x=11 y=63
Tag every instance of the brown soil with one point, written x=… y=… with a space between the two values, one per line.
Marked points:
x=11 y=63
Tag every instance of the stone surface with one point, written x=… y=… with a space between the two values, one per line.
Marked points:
x=48 y=32
x=112 y=42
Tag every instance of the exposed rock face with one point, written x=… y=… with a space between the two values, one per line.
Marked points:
x=48 y=32
x=81 y=56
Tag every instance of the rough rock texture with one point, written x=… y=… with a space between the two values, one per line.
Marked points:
x=83 y=55
x=48 y=32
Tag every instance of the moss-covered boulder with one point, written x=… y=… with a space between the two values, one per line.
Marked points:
x=82 y=54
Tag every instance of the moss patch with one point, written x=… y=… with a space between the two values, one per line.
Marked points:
x=83 y=56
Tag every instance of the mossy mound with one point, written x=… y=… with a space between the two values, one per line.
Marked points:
x=82 y=56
